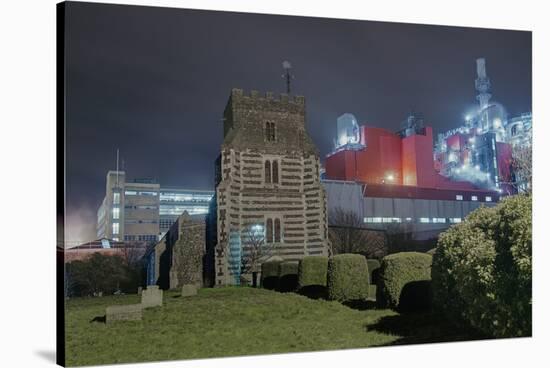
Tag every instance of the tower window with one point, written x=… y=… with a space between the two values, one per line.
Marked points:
x=271 y=172
x=277 y=230
x=272 y=230
x=267 y=167
x=275 y=167
x=269 y=231
x=270 y=131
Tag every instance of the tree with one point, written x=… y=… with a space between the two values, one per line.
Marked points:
x=132 y=256
x=255 y=250
x=522 y=167
x=96 y=275
x=348 y=235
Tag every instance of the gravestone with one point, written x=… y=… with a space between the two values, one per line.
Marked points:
x=189 y=290
x=140 y=289
x=131 y=312
x=151 y=297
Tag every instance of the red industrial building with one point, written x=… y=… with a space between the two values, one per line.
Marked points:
x=388 y=161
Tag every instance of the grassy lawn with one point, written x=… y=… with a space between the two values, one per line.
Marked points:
x=237 y=321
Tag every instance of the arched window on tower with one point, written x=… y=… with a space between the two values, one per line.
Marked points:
x=267 y=167
x=275 y=171
x=277 y=230
x=269 y=231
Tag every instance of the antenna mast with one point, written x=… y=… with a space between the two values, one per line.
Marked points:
x=287 y=76
x=117 y=167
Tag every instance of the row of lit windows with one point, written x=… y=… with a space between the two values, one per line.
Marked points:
x=141 y=193
x=166 y=223
x=422 y=220
x=178 y=210
x=180 y=197
x=474 y=198
x=140 y=237
x=140 y=222
x=141 y=207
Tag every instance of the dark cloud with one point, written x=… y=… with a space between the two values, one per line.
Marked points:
x=154 y=82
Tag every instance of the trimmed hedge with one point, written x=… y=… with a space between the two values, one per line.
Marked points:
x=270 y=275
x=373 y=265
x=431 y=252
x=288 y=276
x=348 y=277
x=313 y=271
x=396 y=273
x=482 y=269
x=312 y=276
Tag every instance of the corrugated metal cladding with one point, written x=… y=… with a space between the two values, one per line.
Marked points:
x=423 y=215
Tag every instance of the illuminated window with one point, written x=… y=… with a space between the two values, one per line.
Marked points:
x=459 y=197
x=424 y=220
x=455 y=220
x=144 y=193
x=377 y=220
x=391 y=219
x=116 y=213
x=488 y=199
x=439 y=220
x=116 y=198
x=474 y=198
x=130 y=193
x=408 y=219
x=115 y=228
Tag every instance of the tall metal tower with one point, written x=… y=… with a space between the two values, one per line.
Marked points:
x=287 y=75
x=483 y=84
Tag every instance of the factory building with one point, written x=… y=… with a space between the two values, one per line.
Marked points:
x=267 y=185
x=480 y=150
x=397 y=177
x=421 y=212
x=385 y=177
x=142 y=211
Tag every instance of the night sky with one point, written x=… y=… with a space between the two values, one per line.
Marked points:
x=153 y=82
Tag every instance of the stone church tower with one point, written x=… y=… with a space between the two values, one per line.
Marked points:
x=267 y=178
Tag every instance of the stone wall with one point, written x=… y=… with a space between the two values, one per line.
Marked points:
x=188 y=254
x=179 y=254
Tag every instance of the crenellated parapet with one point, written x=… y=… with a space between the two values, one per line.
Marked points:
x=255 y=97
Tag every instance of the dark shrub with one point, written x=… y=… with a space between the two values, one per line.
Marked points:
x=312 y=276
x=482 y=269
x=416 y=296
x=348 y=277
x=98 y=274
x=396 y=271
x=373 y=265
x=288 y=276
x=270 y=275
